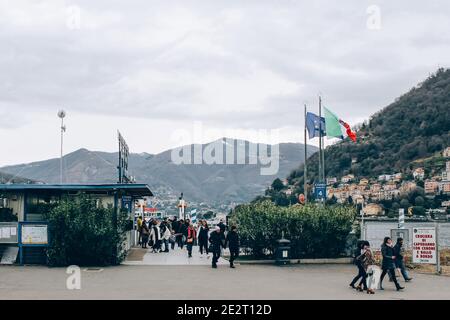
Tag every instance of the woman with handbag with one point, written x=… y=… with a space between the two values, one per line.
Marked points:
x=191 y=236
x=365 y=259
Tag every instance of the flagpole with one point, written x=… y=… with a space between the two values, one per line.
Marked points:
x=305 y=171
x=320 y=138
x=323 y=148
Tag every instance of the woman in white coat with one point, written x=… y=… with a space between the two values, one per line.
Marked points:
x=155 y=237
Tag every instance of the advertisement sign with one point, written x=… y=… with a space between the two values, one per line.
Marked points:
x=424 y=245
x=34 y=234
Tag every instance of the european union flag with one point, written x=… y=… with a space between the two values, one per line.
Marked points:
x=313 y=125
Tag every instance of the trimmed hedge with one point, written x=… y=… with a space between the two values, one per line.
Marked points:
x=315 y=231
x=82 y=233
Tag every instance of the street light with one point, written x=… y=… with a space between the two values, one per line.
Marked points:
x=61 y=115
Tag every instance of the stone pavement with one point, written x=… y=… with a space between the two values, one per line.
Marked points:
x=176 y=257
x=185 y=282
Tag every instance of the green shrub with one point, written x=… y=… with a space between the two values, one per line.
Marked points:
x=82 y=233
x=315 y=231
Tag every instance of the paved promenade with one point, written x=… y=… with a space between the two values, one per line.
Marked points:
x=202 y=282
x=175 y=257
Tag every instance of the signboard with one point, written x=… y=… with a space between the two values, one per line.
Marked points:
x=123 y=160
x=34 y=234
x=127 y=203
x=320 y=190
x=8 y=232
x=424 y=245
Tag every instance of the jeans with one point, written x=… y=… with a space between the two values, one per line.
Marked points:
x=401 y=265
x=361 y=274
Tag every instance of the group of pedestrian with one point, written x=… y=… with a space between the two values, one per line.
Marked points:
x=392 y=259
x=182 y=232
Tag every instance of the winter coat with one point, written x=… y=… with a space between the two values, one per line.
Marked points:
x=232 y=241
x=203 y=234
x=155 y=234
x=216 y=241
x=388 y=262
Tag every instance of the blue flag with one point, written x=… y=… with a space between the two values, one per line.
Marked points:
x=313 y=125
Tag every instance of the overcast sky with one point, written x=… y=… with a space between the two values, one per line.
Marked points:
x=150 y=67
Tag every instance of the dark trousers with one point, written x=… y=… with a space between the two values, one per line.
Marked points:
x=189 y=248
x=203 y=246
x=216 y=256
x=180 y=241
x=391 y=272
x=234 y=253
x=361 y=274
x=166 y=245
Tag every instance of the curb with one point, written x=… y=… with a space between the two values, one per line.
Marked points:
x=301 y=261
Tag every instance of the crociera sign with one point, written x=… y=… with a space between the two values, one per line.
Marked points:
x=424 y=245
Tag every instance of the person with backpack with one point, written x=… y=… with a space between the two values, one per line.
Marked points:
x=232 y=241
x=190 y=238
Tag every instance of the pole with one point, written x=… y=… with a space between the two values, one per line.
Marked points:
x=305 y=171
x=438 y=260
x=320 y=139
x=61 y=156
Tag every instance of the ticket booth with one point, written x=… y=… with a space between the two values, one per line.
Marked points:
x=23 y=229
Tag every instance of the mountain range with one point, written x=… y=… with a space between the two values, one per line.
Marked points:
x=208 y=183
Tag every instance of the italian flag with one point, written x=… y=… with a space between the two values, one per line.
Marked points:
x=336 y=127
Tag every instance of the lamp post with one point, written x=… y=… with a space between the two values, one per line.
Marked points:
x=61 y=115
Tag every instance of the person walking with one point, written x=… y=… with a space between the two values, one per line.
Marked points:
x=183 y=232
x=357 y=262
x=155 y=237
x=365 y=259
x=216 y=243
x=191 y=236
x=203 y=237
x=165 y=235
x=232 y=241
x=139 y=229
x=145 y=233
x=388 y=265
x=399 y=252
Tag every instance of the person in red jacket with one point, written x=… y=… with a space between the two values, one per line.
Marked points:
x=191 y=236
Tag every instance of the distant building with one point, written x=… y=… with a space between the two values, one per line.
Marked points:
x=375 y=187
x=384 y=177
x=373 y=209
x=285 y=182
x=419 y=174
x=347 y=178
x=447 y=166
x=389 y=186
x=446 y=152
x=407 y=187
x=444 y=187
x=431 y=187
x=445 y=175
x=331 y=181
x=364 y=182
x=397 y=176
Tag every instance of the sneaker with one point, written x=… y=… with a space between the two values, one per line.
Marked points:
x=400 y=288
x=214 y=266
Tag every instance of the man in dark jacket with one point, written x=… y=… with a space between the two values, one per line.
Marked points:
x=232 y=241
x=216 y=244
x=388 y=265
x=399 y=251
